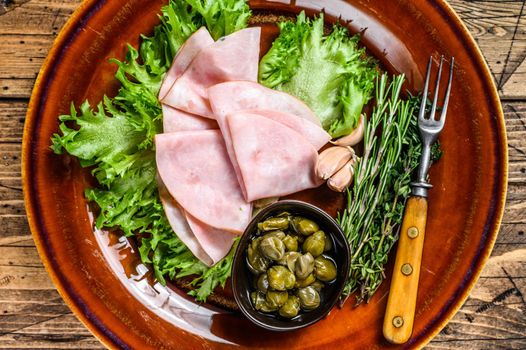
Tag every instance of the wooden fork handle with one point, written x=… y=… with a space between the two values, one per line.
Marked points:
x=400 y=312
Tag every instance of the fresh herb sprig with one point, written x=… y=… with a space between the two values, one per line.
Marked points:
x=381 y=185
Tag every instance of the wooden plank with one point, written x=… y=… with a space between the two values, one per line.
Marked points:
x=40 y=319
x=12 y=117
x=499 y=27
x=40 y=17
x=19 y=257
x=16 y=88
x=22 y=277
x=10 y=159
x=25 y=46
x=22 y=55
x=15 y=231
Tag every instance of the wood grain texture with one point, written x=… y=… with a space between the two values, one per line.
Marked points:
x=400 y=312
x=32 y=313
x=499 y=27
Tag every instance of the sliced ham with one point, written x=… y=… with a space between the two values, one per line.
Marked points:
x=313 y=133
x=197 y=172
x=180 y=225
x=177 y=120
x=234 y=96
x=234 y=57
x=221 y=120
x=273 y=159
x=186 y=54
x=215 y=242
x=207 y=243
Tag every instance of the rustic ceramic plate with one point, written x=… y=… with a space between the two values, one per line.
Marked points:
x=110 y=295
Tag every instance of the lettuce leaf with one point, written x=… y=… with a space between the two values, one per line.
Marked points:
x=330 y=73
x=116 y=140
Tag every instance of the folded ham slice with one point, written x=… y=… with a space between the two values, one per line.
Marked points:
x=233 y=57
x=215 y=242
x=273 y=159
x=174 y=119
x=234 y=96
x=177 y=120
x=179 y=224
x=197 y=172
x=186 y=54
x=207 y=243
x=313 y=133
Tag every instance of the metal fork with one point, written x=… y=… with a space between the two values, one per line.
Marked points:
x=401 y=304
x=429 y=127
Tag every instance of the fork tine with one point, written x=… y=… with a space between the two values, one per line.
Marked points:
x=422 y=111
x=437 y=85
x=448 y=90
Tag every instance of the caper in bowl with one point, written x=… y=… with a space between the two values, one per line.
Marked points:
x=290 y=266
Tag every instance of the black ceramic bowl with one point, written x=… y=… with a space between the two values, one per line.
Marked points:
x=242 y=278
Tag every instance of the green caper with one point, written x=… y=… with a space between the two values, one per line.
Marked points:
x=324 y=269
x=291 y=307
x=257 y=263
x=266 y=307
x=272 y=248
x=304 y=226
x=309 y=298
x=315 y=243
x=305 y=282
x=257 y=299
x=276 y=233
x=289 y=260
x=276 y=299
x=260 y=302
x=275 y=223
x=304 y=266
x=280 y=278
x=318 y=285
x=328 y=243
x=291 y=243
x=255 y=243
x=262 y=283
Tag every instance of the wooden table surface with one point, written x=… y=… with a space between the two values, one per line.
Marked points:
x=33 y=315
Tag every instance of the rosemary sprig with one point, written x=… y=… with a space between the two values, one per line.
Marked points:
x=381 y=185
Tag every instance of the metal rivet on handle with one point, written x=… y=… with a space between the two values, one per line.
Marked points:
x=398 y=321
x=407 y=269
x=412 y=232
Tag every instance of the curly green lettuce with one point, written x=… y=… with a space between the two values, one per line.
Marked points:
x=116 y=140
x=330 y=73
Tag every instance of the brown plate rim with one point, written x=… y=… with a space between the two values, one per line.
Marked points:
x=97 y=326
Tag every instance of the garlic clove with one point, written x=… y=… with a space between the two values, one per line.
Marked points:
x=343 y=178
x=331 y=160
x=354 y=137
